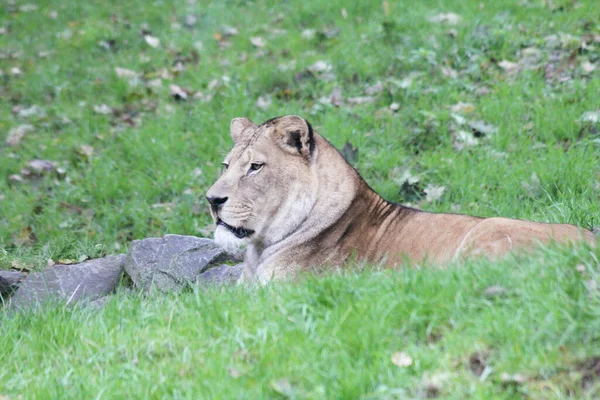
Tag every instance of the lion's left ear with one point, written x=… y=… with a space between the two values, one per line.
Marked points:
x=238 y=127
x=296 y=136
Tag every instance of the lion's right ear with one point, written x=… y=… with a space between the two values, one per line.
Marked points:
x=238 y=126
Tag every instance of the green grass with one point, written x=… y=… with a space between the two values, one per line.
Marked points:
x=328 y=337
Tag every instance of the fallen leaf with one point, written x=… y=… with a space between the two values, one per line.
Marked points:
x=374 y=89
x=16 y=178
x=514 y=379
x=446 y=18
x=125 y=73
x=16 y=134
x=509 y=67
x=264 y=102
x=433 y=193
x=465 y=139
x=320 y=66
x=234 y=372
x=228 y=31
x=103 y=109
x=85 y=150
x=401 y=359
x=360 y=99
x=283 y=387
x=25 y=237
x=41 y=166
x=178 y=93
x=495 y=291
x=152 y=41
x=28 y=8
x=588 y=67
x=463 y=107
x=591 y=116
x=336 y=97
x=33 y=111
x=433 y=385
x=533 y=187
x=258 y=41
x=481 y=128
x=19 y=266
x=308 y=34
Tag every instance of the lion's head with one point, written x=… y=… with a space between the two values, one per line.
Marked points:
x=267 y=187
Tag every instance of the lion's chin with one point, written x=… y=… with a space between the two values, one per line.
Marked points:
x=231 y=243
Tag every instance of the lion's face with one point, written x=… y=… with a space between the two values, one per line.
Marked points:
x=266 y=189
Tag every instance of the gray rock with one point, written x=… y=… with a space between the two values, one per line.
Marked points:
x=171 y=262
x=89 y=281
x=9 y=281
x=221 y=275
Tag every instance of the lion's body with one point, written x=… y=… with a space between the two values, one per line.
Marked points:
x=311 y=209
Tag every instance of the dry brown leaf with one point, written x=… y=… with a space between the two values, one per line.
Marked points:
x=178 y=93
x=449 y=72
x=465 y=108
x=433 y=192
x=588 y=67
x=401 y=359
x=152 y=41
x=227 y=31
x=446 y=18
x=509 y=67
x=336 y=96
x=495 y=291
x=360 y=100
x=85 y=150
x=264 y=102
x=258 y=41
x=283 y=387
x=374 y=89
x=25 y=237
x=308 y=34
x=16 y=134
x=515 y=379
x=234 y=372
x=320 y=66
x=591 y=117
x=103 y=109
x=125 y=73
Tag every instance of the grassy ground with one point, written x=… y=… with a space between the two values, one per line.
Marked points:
x=496 y=109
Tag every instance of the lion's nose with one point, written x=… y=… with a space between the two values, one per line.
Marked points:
x=216 y=202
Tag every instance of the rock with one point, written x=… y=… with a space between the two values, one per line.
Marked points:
x=9 y=281
x=221 y=275
x=88 y=281
x=171 y=262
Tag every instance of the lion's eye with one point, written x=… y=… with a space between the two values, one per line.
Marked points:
x=254 y=167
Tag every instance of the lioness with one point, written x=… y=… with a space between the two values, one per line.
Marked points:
x=293 y=199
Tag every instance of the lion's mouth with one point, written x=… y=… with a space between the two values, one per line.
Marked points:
x=240 y=233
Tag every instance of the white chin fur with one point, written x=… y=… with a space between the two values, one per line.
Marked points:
x=227 y=240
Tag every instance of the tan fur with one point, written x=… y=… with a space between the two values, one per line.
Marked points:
x=309 y=208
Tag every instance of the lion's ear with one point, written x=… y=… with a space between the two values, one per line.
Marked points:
x=238 y=126
x=296 y=136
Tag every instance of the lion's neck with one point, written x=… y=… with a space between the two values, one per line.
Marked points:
x=368 y=228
